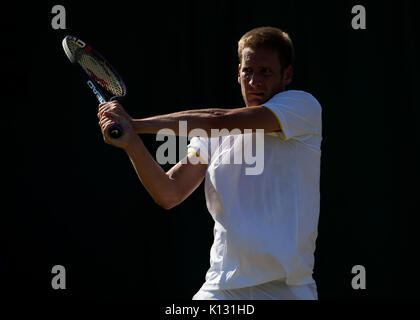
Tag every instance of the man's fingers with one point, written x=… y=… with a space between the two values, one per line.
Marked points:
x=103 y=119
x=102 y=108
x=107 y=120
x=111 y=115
x=109 y=106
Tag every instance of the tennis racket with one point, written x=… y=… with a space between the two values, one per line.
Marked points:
x=102 y=78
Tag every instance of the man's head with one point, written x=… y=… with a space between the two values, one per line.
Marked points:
x=265 y=64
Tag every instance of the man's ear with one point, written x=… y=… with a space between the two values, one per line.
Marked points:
x=288 y=75
x=239 y=74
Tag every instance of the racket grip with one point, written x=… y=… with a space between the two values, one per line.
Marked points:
x=115 y=131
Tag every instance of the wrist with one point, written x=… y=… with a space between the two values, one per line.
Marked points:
x=132 y=144
x=138 y=126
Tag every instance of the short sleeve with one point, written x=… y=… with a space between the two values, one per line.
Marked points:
x=298 y=113
x=199 y=146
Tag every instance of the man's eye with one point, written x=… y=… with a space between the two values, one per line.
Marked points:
x=266 y=71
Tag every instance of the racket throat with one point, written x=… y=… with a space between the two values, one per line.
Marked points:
x=97 y=93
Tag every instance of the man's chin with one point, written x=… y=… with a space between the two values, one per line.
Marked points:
x=256 y=101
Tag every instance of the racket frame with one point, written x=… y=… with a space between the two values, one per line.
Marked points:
x=115 y=131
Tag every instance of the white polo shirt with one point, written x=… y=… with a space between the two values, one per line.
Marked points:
x=265 y=223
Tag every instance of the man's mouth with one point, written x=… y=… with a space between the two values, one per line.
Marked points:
x=256 y=93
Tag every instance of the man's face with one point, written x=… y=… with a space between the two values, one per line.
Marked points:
x=261 y=76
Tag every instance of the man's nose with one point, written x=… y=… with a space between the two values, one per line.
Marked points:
x=255 y=80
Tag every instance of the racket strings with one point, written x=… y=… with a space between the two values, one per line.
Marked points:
x=97 y=69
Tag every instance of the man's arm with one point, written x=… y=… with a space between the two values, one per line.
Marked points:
x=257 y=117
x=167 y=189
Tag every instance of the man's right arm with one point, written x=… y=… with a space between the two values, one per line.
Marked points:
x=167 y=189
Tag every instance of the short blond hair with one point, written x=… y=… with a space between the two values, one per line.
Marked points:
x=268 y=38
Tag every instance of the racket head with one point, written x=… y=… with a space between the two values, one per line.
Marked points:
x=96 y=67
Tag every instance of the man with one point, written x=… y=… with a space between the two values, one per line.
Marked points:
x=265 y=224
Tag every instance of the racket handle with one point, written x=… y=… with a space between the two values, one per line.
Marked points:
x=115 y=131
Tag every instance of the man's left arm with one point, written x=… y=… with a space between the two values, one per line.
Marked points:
x=256 y=117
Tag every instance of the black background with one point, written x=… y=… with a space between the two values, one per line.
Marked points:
x=71 y=200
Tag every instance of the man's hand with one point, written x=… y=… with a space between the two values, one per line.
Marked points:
x=111 y=113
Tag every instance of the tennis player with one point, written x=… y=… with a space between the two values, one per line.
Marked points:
x=265 y=224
